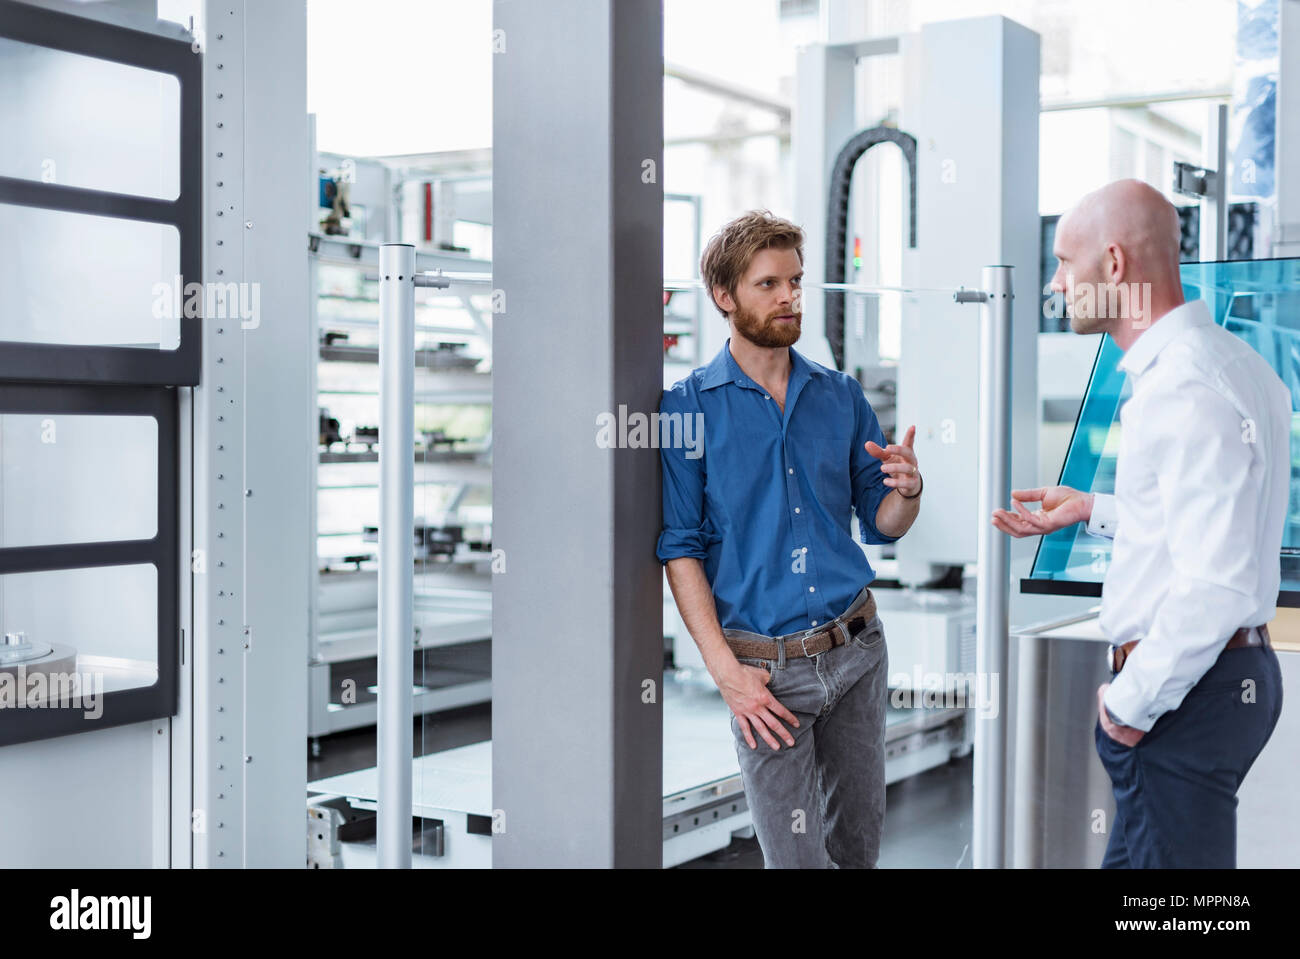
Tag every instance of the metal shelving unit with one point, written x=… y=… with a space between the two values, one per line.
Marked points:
x=452 y=615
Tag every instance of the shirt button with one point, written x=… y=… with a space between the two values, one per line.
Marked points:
x=796 y=509
x=766 y=397
x=812 y=589
x=805 y=549
x=792 y=470
x=814 y=622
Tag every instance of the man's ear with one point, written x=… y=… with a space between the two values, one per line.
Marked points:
x=1116 y=263
x=724 y=299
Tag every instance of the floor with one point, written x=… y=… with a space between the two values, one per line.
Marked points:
x=927 y=817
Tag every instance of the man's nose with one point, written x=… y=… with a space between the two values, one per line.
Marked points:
x=785 y=294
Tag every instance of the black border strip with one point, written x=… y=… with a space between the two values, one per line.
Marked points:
x=1072 y=587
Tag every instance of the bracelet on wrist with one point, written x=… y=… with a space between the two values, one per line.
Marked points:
x=918 y=491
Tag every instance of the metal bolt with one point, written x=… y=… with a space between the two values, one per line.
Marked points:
x=248 y=492
x=248 y=759
x=248 y=225
x=220 y=154
x=220 y=125
x=219 y=183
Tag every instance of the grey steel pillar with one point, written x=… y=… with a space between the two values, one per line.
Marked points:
x=577 y=595
x=992 y=622
x=396 y=550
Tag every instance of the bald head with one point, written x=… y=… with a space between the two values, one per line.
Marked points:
x=1133 y=216
x=1124 y=235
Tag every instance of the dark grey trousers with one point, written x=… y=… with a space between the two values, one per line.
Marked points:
x=820 y=804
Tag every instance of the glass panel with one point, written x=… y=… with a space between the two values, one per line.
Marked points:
x=79 y=279
x=79 y=121
x=101 y=622
x=101 y=471
x=1259 y=301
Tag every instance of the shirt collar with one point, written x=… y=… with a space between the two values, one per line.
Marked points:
x=723 y=369
x=1145 y=349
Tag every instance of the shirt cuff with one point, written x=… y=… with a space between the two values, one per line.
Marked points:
x=1126 y=708
x=1105 y=519
x=677 y=543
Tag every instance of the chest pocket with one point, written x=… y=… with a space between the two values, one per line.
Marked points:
x=827 y=460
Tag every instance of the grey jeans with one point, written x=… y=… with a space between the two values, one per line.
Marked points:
x=820 y=804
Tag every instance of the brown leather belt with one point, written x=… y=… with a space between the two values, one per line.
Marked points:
x=813 y=641
x=1246 y=636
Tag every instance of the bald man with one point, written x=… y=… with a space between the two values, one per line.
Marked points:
x=1201 y=487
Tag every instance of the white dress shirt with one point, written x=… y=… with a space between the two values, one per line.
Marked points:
x=1201 y=491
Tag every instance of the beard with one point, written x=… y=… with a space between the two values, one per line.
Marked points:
x=766 y=331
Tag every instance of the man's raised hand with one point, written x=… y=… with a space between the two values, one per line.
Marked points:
x=898 y=461
x=1062 y=506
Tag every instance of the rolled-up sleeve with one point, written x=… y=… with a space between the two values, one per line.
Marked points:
x=869 y=487
x=684 y=525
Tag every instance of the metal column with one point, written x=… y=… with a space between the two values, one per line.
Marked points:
x=992 y=622
x=396 y=550
x=577 y=598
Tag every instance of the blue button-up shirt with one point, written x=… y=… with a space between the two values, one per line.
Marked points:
x=766 y=502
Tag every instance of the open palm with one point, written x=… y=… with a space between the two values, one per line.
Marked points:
x=1062 y=506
